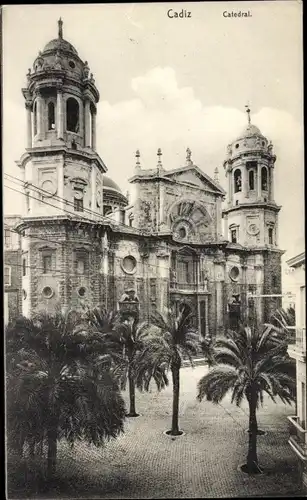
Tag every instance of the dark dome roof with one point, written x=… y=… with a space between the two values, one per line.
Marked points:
x=60 y=43
x=108 y=183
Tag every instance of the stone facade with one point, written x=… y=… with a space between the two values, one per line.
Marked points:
x=86 y=244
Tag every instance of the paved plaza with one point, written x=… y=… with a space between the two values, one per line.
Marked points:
x=145 y=463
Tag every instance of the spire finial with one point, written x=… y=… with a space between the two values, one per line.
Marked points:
x=188 y=158
x=60 y=23
x=216 y=174
x=159 y=154
x=248 y=111
x=137 y=155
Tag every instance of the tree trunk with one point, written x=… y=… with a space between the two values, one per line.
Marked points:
x=176 y=388
x=252 y=459
x=52 y=453
x=132 y=411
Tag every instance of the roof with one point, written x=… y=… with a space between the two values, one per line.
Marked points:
x=205 y=177
x=108 y=183
x=60 y=44
x=297 y=260
x=249 y=131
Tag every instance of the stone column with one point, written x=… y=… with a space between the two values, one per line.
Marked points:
x=206 y=316
x=244 y=182
x=93 y=187
x=61 y=184
x=29 y=124
x=87 y=122
x=161 y=207
x=230 y=186
x=39 y=107
x=198 y=264
x=60 y=115
x=94 y=130
x=271 y=180
x=259 y=181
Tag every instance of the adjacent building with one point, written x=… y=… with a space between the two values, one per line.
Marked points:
x=12 y=269
x=177 y=237
x=297 y=351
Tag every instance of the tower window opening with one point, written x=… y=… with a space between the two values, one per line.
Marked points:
x=78 y=205
x=251 y=180
x=122 y=216
x=237 y=181
x=72 y=115
x=7 y=275
x=24 y=267
x=80 y=266
x=27 y=201
x=51 y=116
x=47 y=264
x=270 y=236
x=35 y=119
x=264 y=179
x=233 y=236
x=107 y=210
x=78 y=199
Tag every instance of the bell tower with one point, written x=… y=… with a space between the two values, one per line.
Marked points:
x=251 y=214
x=61 y=163
x=62 y=226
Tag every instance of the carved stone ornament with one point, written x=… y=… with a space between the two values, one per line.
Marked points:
x=57 y=61
x=49 y=187
x=253 y=229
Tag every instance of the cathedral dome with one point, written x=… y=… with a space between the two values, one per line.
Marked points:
x=108 y=183
x=112 y=194
x=249 y=131
x=60 y=44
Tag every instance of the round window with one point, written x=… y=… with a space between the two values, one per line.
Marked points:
x=82 y=291
x=182 y=232
x=24 y=294
x=129 y=264
x=72 y=64
x=237 y=145
x=47 y=292
x=234 y=273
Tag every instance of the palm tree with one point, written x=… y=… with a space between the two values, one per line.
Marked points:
x=172 y=340
x=249 y=363
x=282 y=319
x=123 y=337
x=52 y=390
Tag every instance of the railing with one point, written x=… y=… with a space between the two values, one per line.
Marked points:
x=188 y=287
x=298 y=437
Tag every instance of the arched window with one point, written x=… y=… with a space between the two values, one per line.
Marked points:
x=264 y=179
x=251 y=180
x=51 y=116
x=72 y=115
x=270 y=236
x=237 y=181
x=35 y=119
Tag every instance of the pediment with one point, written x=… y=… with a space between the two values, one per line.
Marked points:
x=193 y=175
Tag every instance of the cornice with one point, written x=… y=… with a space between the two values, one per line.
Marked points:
x=258 y=204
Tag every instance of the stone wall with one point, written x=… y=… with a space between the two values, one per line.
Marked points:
x=271 y=283
x=12 y=259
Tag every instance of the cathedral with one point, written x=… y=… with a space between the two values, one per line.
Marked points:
x=177 y=237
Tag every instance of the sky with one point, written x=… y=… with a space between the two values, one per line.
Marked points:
x=172 y=84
